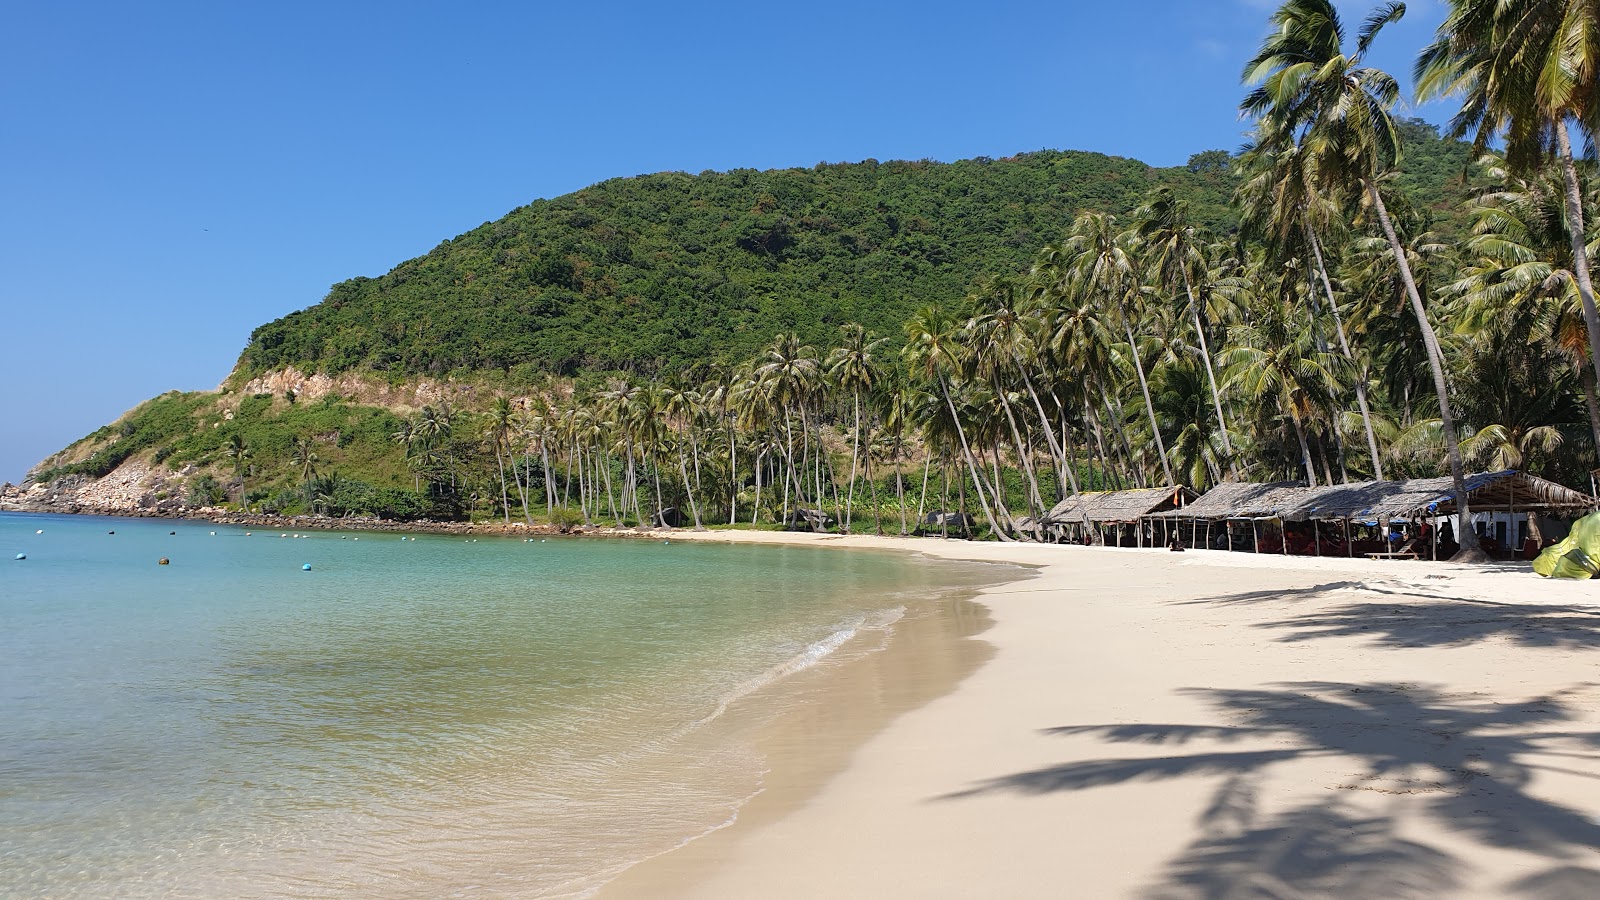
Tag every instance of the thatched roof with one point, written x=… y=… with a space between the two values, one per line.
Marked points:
x=1114 y=507
x=1383 y=500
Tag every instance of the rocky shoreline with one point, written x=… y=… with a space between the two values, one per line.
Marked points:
x=221 y=516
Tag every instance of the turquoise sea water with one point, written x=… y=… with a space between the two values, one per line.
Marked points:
x=421 y=717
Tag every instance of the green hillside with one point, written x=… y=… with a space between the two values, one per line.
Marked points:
x=659 y=272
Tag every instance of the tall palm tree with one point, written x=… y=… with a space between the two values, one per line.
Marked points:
x=1280 y=199
x=934 y=351
x=852 y=367
x=498 y=427
x=1105 y=268
x=1273 y=363
x=1312 y=93
x=1526 y=70
x=1165 y=233
x=1518 y=284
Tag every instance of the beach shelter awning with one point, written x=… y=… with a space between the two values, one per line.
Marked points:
x=1117 y=507
x=1385 y=500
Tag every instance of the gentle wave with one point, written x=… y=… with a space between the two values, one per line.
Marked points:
x=805 y=659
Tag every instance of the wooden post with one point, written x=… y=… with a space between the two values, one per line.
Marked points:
x=1283 y=534
x=1349 y=540
x=1255 y=533
x=1316 y=537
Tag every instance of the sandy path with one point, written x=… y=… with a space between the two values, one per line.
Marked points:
x=1213 y=724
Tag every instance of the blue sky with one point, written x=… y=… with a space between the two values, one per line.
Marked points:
x=174 y=174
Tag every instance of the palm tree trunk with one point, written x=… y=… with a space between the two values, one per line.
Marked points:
x=1211 y=372
x=505 y=497
x=1305 y=448
x=922 y=498
x=1344 y=345
x=1467 y=538
x=972 y=467
x=1064 y=474
x=1035 y=499
x=1587 y=379
x=1580 y=253
x=855 y=457
x=1144 y=387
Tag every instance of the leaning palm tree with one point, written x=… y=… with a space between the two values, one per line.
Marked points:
x=933 y=351
x=1526 y=69
x=1312 y=93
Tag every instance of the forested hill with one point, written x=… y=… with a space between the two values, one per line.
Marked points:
x=661 y=273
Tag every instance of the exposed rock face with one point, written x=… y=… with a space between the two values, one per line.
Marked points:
x=133 y=488
x=413 y=394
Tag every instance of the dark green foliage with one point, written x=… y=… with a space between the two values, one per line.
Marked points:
x=664 y=272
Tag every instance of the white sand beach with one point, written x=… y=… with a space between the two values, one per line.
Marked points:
x=1207 y=724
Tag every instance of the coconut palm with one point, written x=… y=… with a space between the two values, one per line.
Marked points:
x=1280 y=202
x=851 y=367
x=1310 y=92
x=933 y=350
x=1166 y=235
x=1274 y=364
x=1526 y=70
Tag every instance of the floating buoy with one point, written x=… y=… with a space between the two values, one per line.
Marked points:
x=40 y=531
x=172 y=532
x=306 y=567
x=247 y=534
x=283 y=535
x=163 y=561
x=22 y=556
x=111 y=532
x=213 y=534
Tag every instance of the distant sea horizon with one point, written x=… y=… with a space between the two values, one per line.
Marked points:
x=413 y=715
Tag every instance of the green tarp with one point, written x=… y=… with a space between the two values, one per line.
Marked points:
x=1577 y=556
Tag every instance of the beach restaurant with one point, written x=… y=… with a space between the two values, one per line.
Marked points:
x=1511 y=511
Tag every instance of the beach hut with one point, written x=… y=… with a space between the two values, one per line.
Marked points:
x=1325 y=519
x=1090 y=517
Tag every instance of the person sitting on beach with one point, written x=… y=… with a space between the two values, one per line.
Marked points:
x=1175 y=545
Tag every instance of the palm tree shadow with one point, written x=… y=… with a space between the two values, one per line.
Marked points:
x=1438 y=620
x=1462 y=763
x=1449 y=623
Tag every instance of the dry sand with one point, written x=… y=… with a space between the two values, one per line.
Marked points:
x=1206 y=724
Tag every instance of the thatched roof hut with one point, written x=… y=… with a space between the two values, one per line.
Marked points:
x=1381 y=501
x=1117 y=507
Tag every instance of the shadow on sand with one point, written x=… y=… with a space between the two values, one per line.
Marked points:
x=1463 y=763
x=1417 y=618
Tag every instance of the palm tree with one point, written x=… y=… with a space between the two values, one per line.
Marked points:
x=933 y=350
x=1105 y=268
x=498 y=428
x=237 y=453
x=791 y=373
x=1165 y=233
x=303 y=455
x=851 y=366
x=1526 y=69
x=1274 y=364
x=1312 y=93
x=1280 y=193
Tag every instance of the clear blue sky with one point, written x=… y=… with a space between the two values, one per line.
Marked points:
x=174 y=174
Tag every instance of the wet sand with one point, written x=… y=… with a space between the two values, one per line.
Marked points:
x=1145 y=723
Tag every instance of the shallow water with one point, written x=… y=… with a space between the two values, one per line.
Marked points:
x=427 y=717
